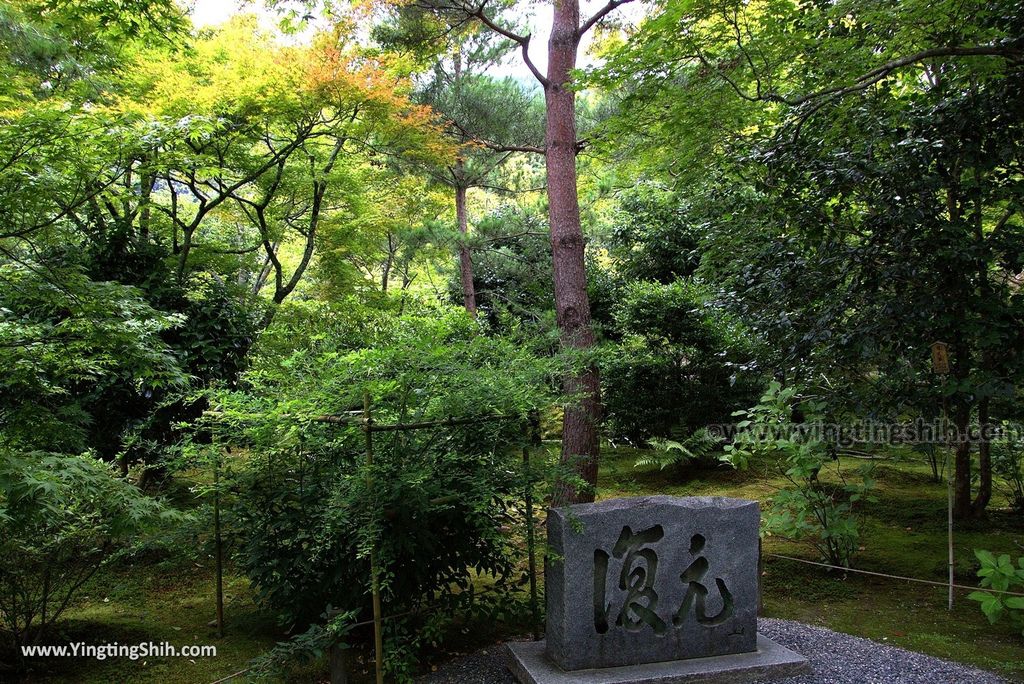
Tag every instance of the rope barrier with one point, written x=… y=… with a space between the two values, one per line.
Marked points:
x=897 y=577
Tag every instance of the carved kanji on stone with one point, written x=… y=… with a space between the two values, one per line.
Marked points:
x=651 y=579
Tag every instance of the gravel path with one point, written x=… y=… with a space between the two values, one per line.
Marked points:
x=835 y=658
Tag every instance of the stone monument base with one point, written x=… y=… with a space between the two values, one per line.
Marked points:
x=769 y=661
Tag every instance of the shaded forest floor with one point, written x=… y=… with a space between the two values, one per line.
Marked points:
x=171 y=599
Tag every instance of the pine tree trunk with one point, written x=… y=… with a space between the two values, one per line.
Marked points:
x=580 y=441
x=465 y=258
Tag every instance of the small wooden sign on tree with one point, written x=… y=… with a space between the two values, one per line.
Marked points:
x=940 y=358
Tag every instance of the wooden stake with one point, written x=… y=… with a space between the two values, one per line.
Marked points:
x=528 y=475
x=949 y=525
x=378 y=624
x=217 y=542
x=949 y=498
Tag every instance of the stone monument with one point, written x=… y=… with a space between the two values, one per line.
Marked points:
x=654 y=589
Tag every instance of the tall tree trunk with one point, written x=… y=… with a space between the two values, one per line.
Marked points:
x=984 y=495
x=385 y=273
x=962 y=504
x=961 y=367
x=465 y=258
x=147 y=181
x=580 y=443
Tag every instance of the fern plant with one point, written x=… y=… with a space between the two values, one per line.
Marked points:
x=667 y=452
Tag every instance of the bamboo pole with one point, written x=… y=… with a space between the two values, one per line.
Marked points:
x=378 y=625
x=218 y=542
x=949 y=527
x=949 y=499
x=530 y=547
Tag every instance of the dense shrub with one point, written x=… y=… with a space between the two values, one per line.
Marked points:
x=1008 y=468
x=435 y=506
x=680 y=364
x=653 y=237
x=511 y=267
x=61 y=519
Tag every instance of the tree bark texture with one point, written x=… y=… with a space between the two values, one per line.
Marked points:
x=580 y=438
x=465 y=258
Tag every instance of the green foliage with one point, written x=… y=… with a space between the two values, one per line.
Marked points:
x=668 y=452
x=308 y=646
x=1000 y=574
x=232 y=218
x=856 y=183
x=61 y=519
x=434 y=505
x=1008 y=468
x=65 y=344
x=511 y=267
x=651 y=236
x=820 y=513
x=681 y=353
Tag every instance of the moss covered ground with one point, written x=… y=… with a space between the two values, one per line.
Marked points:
x=903 y=533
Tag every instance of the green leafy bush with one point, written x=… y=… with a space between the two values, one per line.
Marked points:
x=652 y=236
x=436 y=506
x=64 y=346
x=1008 y=468
x=821 y=513
x=61 y=519
x=1000 y=574
x=681 y=355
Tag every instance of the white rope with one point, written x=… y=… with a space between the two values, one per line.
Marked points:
x=897 y=577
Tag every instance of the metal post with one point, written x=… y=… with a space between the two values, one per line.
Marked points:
x=378 y=625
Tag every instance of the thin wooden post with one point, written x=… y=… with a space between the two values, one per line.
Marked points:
x=949 y=525
x=378 y=624
x=940 y=366
x=530 y=545
x=949 y=499
x=217 y=542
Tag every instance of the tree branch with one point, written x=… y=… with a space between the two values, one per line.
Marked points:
x=523 y=41
x=498 y=147
x=869 y=78
x=598 y=16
